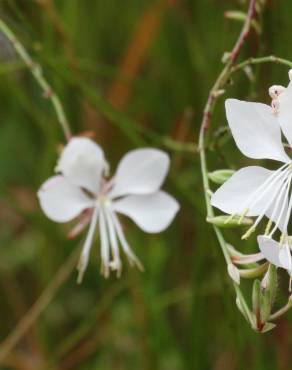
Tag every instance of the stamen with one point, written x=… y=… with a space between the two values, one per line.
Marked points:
x=248 y=233
x=282 y=239
x=259 y=218
x=133 y=260
x=83 y=261
x=288 y=214
x=265 y=186
x=116 y=263
x=245 y=212
x=230 y=218
x=287 y=186
x=104 y=245
x=268 y=227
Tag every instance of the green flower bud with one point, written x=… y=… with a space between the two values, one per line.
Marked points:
x=220 y=176
x=228 y=222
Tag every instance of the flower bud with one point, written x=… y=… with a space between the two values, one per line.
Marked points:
x=220 y=176
x=227 y=222
x=276 y=90
x=262 y=299
x=256 y=296
x=233 y=273
x=268 y=326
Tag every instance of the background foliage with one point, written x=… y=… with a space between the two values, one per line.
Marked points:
x=134 y=73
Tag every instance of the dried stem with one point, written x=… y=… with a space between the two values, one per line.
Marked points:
x=37 y=73
x=39 y=306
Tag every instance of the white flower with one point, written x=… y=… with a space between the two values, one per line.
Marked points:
x=254 y=190
x=277 y=253
x=80 y=188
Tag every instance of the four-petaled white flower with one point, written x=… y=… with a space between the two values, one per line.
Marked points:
x=80 y=189
x=254 y=190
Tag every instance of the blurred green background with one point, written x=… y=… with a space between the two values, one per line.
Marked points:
x=135 y=73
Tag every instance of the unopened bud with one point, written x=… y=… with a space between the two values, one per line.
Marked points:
x=256 y=296
x=241 y=309
x=290 y=74
x=226 y=56
x=268 y=326
x=249 y=73
x=276 y=90
x=220 y=176
x=233 y=273
x=218 y=93
x=263 y=297
x=227 y=222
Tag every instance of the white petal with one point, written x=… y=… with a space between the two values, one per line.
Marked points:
x=274 y=253
x=233 y=196
x=152 y=212
x=255 y=130
x=82 y=162
x=141 y=171
x=285 y=112
x=62 y=201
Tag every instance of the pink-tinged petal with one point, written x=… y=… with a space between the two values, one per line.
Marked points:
x=61 y=201
x=278 y=255
x=82 y=162
x=255 y=129
x=234 y=196
x=285 y=113
x=152 y=212
x=141 y=171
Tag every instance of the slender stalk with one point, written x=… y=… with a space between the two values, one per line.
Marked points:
x=254 y=272
x=282 y=310
x=210 y=104
x=39 y=306
x=265 y=59
x=37 y=73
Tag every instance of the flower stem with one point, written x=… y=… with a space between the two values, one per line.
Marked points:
x=210 y=104
x=37 y=73
x=282 y=310
x=266 y=59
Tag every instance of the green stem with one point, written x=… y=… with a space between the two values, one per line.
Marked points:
x=282 y=310
x=37 y=73
x=209 y=107
x=266 y=59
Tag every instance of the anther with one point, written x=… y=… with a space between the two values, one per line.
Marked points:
x=248 y=233
x=230 y=218
x=268 y=227
x=242 y=216
x=282 y=239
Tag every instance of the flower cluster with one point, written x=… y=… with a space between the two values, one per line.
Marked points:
x=256 y=191
x=80 y=189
